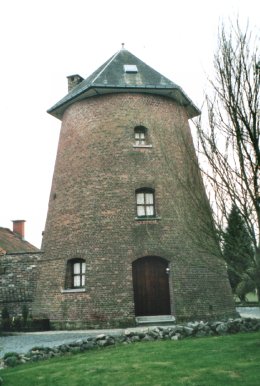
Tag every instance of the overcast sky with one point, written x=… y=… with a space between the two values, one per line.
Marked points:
x=44 y=41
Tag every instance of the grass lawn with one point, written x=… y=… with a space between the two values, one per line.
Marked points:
x=250 y=298
x=226 y=360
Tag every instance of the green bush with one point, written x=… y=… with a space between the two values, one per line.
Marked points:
x=22 y=323
x=11 y=361
x=25 y=313
x=6 y=321
x=10 y=354
x=17 y=324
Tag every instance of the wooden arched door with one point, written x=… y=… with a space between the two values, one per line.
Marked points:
x=151 y=286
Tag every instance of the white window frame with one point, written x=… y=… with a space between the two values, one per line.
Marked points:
x=145 y=203
x=78 y=274
x=140 y=136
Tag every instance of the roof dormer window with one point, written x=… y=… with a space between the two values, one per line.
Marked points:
x=130 y=68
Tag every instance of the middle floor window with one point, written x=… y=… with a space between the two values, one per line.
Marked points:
x=145 y=203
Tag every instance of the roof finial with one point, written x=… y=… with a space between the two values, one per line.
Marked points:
x=123 y=46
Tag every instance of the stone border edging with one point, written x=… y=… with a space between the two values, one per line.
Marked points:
x=176 y=332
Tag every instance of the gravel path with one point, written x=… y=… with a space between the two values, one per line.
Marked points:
x=23 y=342
x=249 y=312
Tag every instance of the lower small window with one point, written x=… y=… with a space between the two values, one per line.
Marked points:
x=76 y=274
x=79 y=269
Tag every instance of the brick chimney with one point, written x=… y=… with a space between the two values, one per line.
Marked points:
x=73 y=81
x=18 y=228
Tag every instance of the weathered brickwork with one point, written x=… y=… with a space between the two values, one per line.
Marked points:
x=18 y=277
x=92 y=214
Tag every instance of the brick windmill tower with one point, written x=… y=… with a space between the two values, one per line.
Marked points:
x=128 y=232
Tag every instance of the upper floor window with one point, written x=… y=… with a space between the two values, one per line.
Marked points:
x=140 y=135
x=145 y=203
x=76 y=270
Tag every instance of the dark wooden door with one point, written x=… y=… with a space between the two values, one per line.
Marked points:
x=151 y=286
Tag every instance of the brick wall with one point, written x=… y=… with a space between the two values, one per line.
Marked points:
x=18 y=280
x=92 y=214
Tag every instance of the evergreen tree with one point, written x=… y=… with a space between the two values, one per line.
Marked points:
x=238 y=253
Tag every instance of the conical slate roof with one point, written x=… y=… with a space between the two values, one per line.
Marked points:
x=124 y=72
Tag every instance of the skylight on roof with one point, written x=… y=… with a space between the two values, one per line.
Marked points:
x=130 y=68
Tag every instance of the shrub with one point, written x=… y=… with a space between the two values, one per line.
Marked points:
x=11 y=361
x=10 y=354
x=6 y=321
x=25 y=313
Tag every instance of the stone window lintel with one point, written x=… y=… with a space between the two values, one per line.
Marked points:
x=142 y=146
x=147 y=218
x=73 y=290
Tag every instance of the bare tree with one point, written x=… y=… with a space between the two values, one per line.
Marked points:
x=229 y=151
